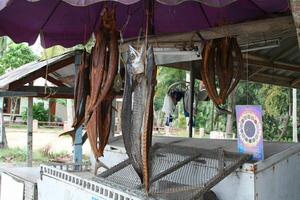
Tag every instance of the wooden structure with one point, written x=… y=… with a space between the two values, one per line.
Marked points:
x=60 y=71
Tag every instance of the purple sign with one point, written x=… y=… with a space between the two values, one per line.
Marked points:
x=249 y=130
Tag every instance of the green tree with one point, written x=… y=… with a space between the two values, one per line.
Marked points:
x=15 y=56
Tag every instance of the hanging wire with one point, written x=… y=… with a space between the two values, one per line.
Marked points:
x=247 y=75
x=51 y=91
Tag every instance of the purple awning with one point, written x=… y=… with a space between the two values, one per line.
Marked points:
x=71 y=22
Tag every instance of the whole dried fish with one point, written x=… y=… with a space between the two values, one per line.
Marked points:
x=137 y=110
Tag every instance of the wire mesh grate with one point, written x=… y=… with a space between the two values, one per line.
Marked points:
x=179 y=172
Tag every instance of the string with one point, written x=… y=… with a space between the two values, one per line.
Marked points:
x=47 y=63
x=247 y=75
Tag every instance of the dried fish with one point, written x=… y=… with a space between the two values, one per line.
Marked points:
x=102 y=76
x=218 y=70
x=137 y=109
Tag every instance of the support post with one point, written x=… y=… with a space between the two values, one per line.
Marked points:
x=29 y=131
x=77 y=152
x=192 y=91
x=69 y=113
x=295 y=131
x=77 y=157
x=3 y=141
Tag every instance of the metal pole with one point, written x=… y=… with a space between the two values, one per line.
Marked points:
x=77 y=152
x=192 y=90
x=29 y=130
x=295 y=131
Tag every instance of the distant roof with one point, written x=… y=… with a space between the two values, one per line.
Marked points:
x=29 y=68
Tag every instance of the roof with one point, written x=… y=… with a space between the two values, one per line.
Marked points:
x=25 y=70
x=59 y=70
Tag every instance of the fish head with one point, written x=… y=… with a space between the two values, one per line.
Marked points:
x=136 y=60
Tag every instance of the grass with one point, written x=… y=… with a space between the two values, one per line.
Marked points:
x=18 y=155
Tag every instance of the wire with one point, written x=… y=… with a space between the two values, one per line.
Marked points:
x=247 y=75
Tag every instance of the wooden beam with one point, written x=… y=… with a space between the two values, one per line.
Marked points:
x=54 y=81
x=255 y=71
x=295 y=7
x=263 y=62
x=285 y=53
x=17 y=94
x=41 y=72
x=295 y=82
x=68 y=79
x=271 y=79
x=246 y=30
x=39 y=91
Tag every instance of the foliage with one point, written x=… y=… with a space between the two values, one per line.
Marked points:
x=273 y=99
x=62 y=101
x=15 y=56
x=165 y=78
x=39 y=112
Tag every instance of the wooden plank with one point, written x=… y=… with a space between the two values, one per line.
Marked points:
x=41 y=72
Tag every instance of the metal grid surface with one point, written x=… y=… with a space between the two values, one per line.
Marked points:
x=178 y=172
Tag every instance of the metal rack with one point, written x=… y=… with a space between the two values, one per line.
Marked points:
x=177 y=172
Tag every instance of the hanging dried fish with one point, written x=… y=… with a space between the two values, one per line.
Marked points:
x=81 y=91
x=137 y=109
x=102 y=75
x=221 y=68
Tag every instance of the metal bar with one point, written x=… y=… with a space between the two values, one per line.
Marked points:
x=29 y=130
x=77 y=157
x=295 y=125
x=220 y=160
x=115 y=169
x=174 y=168
x=216 y=179
x=192 y=91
